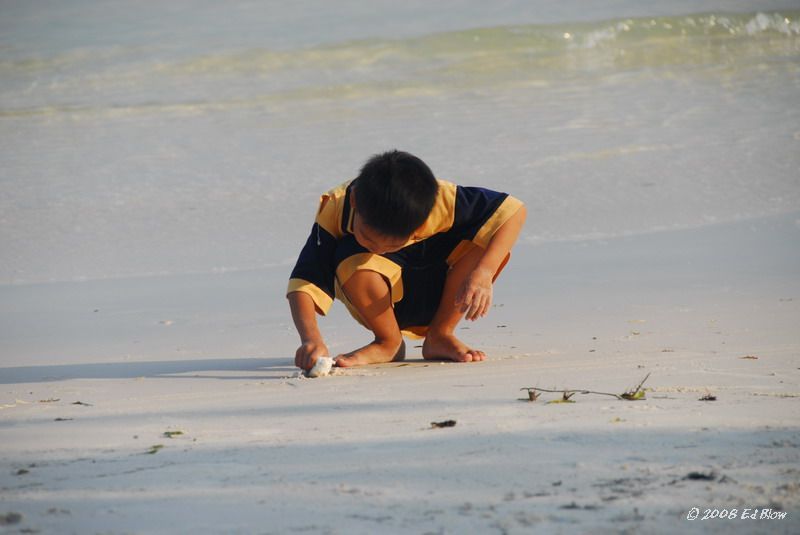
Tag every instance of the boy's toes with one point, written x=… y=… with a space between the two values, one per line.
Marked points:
x=345 y=362
x=472 y=355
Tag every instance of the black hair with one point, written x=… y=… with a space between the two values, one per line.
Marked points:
x=395 y=192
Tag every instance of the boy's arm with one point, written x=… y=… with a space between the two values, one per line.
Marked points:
x=311 y=284
x=310 y=292
x=475 y=295
x=304 y=315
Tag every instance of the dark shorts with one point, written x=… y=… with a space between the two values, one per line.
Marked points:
x=416 y=275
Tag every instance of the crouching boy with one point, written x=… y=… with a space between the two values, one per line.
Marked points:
x=408 y=255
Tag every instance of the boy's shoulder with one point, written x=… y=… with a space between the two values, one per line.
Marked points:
x=442 y=214
x=337 y=192
x=334 y=208
x=455 y=207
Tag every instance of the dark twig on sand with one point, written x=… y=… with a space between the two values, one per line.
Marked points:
x=446 y=423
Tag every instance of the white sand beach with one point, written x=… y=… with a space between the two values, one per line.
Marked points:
x=262 y=450
x=159 y=172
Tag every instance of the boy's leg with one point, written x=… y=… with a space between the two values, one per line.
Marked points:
x=369 y=293
x=440 y=340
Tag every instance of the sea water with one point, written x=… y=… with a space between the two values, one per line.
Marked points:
x=143 y=138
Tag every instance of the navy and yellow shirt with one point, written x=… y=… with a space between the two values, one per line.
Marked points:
x=460 y=213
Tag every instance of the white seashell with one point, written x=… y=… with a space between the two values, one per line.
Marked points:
x=321 y=368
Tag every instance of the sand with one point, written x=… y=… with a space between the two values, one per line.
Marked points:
x=171 y=404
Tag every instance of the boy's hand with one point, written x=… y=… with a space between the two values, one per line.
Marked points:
x=475 y=295
x=308 y=353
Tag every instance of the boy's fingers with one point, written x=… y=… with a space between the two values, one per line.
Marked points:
x=464 y=294
x=473 y=309
x=467 y=300
x=482 y=308
x=487 y=304
x=305 y=359
x=467 y=309
x=459 y=297
x=300 y=359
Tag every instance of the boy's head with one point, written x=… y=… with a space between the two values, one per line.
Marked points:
x=393 y=196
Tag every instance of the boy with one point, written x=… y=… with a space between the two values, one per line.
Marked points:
x=408 y=255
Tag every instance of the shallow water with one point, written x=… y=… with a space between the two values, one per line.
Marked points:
x=142 y=142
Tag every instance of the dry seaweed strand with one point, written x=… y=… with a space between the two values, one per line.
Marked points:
x=632 y=395
x=638 y=393
x=565 y=398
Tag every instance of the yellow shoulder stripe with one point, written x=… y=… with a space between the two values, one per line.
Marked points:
x=322 y=301
x=331 y=207
x=503 y=213
x=442 y=215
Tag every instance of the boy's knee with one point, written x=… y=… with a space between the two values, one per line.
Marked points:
x=365 y=284
x=369 y=295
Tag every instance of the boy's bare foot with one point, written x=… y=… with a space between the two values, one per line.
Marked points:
x=371 y=354
x=447 y=346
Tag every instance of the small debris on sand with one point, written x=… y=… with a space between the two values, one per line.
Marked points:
x=10 y=519
x=574 y=505
x=700 y=476
x=445 y=423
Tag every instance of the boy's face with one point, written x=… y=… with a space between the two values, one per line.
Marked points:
x=374 y=241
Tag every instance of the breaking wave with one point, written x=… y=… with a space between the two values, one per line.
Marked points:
x=124 y=81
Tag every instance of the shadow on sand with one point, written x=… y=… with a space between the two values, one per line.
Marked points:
x=275 y=367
